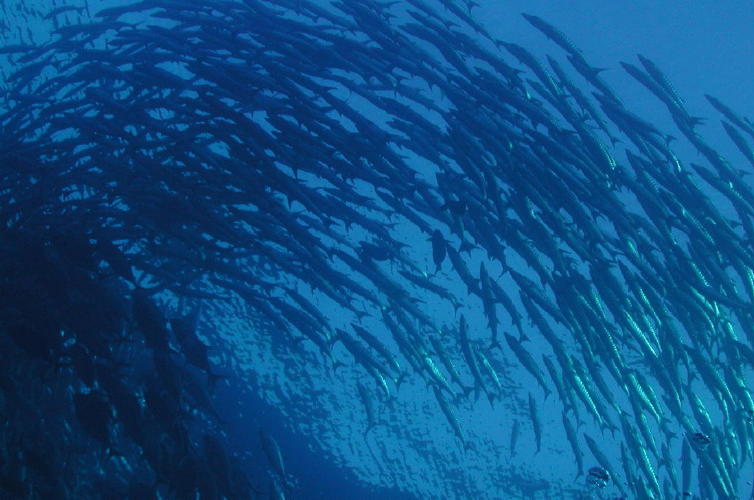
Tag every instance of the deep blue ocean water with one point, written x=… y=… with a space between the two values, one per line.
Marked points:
x=311 y=405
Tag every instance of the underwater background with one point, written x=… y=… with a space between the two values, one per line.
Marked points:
x=358 y=249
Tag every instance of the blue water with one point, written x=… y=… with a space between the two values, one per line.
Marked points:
x=313 y=410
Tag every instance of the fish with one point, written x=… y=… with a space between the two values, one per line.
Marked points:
x=299 y=177
x=527 y=361
x=535 y=422
x=369 y=408
x=471 y=359
x=273 y=453
x=573 y=441
x=515 y=432
x=450 y=417
x=439 y=250
x=196 y=352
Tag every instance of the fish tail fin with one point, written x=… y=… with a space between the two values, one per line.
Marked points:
x=467 y=391
x=466 y=445
x=579 y=473
x=522 y=337
x=547 y=391
x=212 y=379
x=496 y=343
x=490 y=398
x=399 y=379
x=366 y=433
x=456 y=306
x=466 y=246
x=369 y=446
x=360 y=314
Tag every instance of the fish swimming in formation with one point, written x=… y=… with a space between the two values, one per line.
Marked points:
x=297 y=166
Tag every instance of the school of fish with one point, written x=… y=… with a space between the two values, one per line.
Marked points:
x=383 y=193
